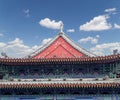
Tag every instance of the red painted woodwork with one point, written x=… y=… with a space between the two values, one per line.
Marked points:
x=60 y=48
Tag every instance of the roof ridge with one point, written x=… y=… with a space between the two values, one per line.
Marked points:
x=68 y=40
x=43 y=46
x=76 y=46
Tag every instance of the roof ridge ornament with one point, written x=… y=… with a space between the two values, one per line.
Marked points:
x=61 y=28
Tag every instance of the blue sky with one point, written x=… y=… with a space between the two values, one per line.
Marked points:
x=26 y=25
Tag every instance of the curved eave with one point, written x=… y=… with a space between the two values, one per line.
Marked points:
x=60 y=85
x=26 y=61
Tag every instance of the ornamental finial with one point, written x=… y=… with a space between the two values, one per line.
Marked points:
x=61 y=27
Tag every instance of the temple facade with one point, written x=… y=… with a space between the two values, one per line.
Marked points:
x=60 y=70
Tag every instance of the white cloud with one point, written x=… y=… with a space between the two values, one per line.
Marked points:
x=70 y=30
x=2 y=45
x=27 y=12
x=110 y=10
x=52 y=24
x=18 y=49
x=89 y=39
x=97 y=24
x=116 y=26
x=97 y=36
x=35 y=47
x=16 y=41
x=105 y=48
x=46 y=41
x=1 y=34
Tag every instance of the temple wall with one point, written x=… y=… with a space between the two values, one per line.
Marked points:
x=62 y=70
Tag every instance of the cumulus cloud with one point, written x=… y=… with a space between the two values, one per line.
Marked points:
x=116 y=26
x=46 y=41
x=70 y=30
x=110 y=10
x=105 y=48
x=2 y=45
x=48 y=23
x=96 y=24
x=93 y=40
x=16 y=41
x=35 y=47
x=27 y=12
x=18 y=49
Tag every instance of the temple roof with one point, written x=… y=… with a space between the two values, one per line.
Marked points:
x=26 y=61
x=61 y=46
x=61 y=84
